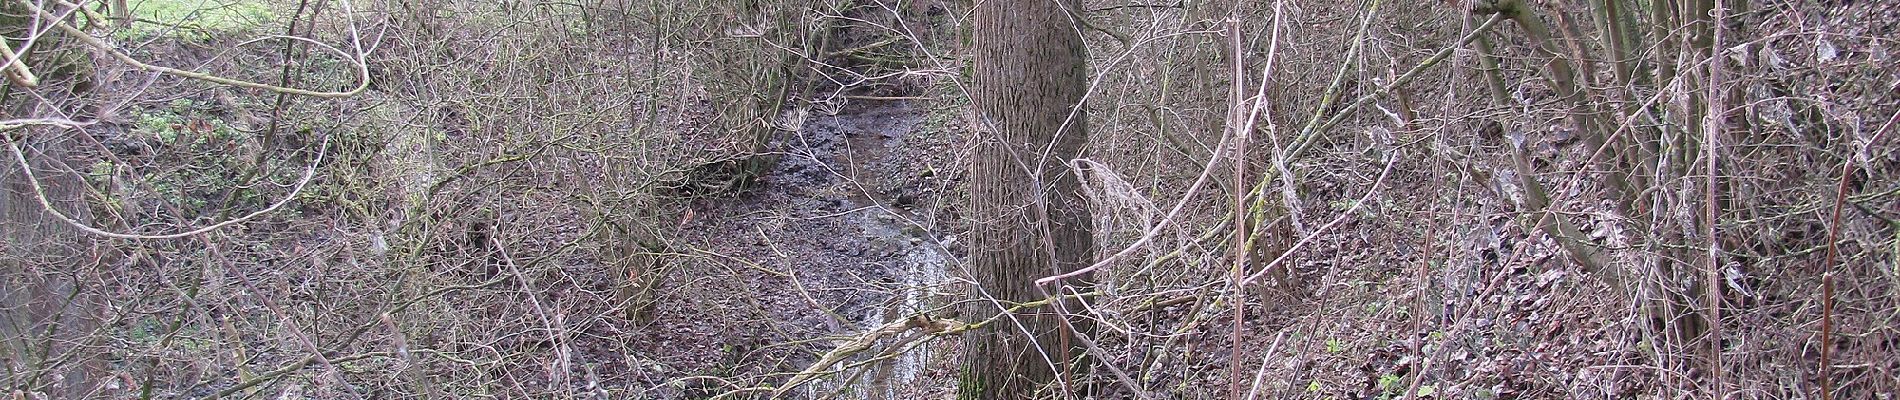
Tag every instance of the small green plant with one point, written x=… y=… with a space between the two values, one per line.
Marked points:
x=101 y=172
x=1484 y=394
x=1388 y=384
x=1388 y=381
x=1333 y=345
x=145 y=331
x=160 y=124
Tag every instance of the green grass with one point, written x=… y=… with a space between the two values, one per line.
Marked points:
x=197 y=19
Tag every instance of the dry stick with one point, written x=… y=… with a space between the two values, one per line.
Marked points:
x=556 y=327
x=1432 y=241
x=1243 y=246
x=1241 y=133
x=1713 y=125
x=1419 y=286
x=14 y=69
x=1261 y=373
x=1827 y=268
x=1289 y=194
x=1827 y=283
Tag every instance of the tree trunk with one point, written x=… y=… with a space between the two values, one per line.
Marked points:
x=46 y=308
x=1030 y=72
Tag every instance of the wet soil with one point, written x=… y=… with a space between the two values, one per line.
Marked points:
x=839 y=237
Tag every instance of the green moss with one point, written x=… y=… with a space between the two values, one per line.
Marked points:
x=969 y=385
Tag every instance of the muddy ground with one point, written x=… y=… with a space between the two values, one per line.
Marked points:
x=847 y=232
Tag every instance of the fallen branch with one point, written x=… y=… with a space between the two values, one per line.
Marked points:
x=929 y=327
x=923 y=322
x=14 y=68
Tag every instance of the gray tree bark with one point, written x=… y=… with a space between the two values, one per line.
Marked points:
x=46 y=310
x=1030 y=73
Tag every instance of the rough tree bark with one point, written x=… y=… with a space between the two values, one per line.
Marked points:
x=46 y=310
x=1029 y=75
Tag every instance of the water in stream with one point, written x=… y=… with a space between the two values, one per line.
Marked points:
x=852 y=213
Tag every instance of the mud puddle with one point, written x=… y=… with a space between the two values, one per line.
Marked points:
x=839 y=238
